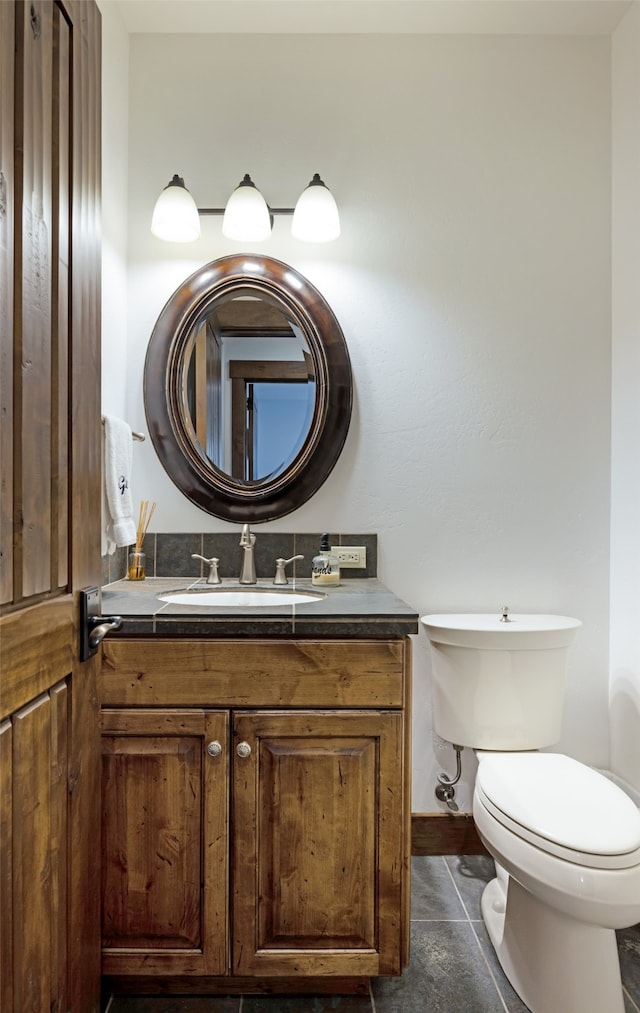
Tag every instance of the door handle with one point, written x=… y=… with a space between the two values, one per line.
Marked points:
x=93 y=626
x=99 y=626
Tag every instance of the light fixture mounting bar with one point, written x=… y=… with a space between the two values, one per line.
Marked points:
x=221 y=211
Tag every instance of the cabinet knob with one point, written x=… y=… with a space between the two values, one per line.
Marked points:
x=243 y=749
x=214 y=748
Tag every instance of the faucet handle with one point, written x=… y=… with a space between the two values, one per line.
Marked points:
x=281 y=577
x=214 y=576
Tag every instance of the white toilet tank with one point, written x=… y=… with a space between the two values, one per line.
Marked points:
x=496 y=684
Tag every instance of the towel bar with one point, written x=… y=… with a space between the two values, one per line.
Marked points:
x=140 y=437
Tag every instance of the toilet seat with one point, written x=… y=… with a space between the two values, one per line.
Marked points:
x=562 y=807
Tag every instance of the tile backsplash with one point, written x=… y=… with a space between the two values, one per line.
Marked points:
x=114 y=566
x=169 y=554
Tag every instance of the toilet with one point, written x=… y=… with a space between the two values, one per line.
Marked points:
x=565 y=839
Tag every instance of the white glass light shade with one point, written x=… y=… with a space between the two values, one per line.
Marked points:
x=316 y=218
x=175 y=216
x=246 y=216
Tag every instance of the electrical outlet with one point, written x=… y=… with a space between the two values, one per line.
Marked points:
x=351 y=556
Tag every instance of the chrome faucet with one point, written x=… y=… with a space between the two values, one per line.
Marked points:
x=248 y=572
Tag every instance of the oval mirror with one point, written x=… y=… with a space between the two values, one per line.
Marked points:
x=247 y=388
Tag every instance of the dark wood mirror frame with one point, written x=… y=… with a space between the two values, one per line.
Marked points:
x=168 y=419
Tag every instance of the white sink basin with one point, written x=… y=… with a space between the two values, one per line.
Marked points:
x=247 y=597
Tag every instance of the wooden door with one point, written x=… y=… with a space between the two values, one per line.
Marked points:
x=165 y=786
x=317 y=843
x=50 y=482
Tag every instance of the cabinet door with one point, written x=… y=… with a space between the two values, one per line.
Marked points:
x=164 y=842
x=318 y=843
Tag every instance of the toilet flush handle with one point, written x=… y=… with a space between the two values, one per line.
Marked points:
x=505 y=614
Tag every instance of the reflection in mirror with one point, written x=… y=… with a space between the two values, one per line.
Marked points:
x=250 y=388
x=247 y=388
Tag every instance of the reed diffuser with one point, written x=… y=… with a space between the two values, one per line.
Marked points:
x=137 y=559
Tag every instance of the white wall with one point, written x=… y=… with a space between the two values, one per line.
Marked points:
x=625 y=485
x=472 y=282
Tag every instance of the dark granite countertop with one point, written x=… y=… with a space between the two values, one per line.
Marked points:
x=355 y=608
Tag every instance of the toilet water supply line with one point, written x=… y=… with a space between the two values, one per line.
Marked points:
x=445 y=791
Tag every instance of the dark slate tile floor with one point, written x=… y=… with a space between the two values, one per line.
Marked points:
x=453 y=967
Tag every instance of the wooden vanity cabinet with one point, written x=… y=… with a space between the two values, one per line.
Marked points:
x=245 y=834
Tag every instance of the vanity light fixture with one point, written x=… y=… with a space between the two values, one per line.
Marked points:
x=316 y=218
x=175 y=216
x=247 y=216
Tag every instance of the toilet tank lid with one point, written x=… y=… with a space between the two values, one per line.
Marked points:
x=484 y=631
x=561 y=800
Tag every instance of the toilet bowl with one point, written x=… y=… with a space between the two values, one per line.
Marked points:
x=565 y=839
x=572 y=858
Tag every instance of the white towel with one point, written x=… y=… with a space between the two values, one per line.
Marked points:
x=118 y=460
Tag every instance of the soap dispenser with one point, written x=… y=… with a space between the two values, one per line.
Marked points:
x=325 y=568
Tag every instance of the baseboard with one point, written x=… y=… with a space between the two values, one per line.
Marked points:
x=445 y=834
x=194 y=985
